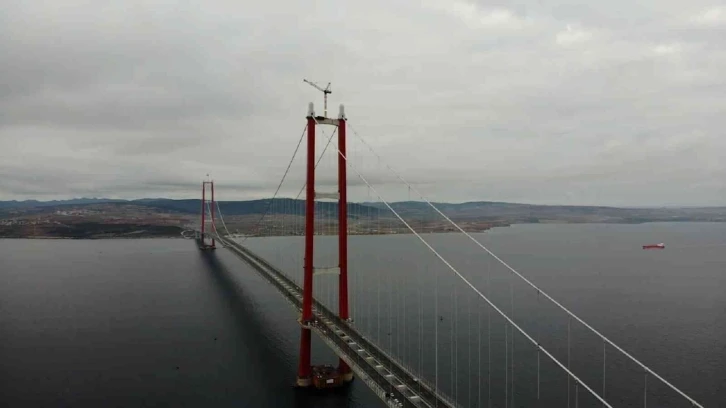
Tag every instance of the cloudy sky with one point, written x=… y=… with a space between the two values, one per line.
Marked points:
x=542 y=101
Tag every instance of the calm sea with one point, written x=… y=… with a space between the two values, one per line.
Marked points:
x=137 y=323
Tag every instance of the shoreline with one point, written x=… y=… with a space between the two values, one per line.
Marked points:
x=94 y=238
x=353 y=233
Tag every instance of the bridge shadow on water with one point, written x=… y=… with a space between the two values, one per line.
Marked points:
x=274 y=375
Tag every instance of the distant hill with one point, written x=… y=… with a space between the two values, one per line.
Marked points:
x=193 y=206
x=527 y=213
x=52 y=203
x=476 y=210
x=281 y=205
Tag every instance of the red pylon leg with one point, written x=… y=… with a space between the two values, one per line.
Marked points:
x=303 y=369
x=343 y=310
x=211 y=210
x=204 y=191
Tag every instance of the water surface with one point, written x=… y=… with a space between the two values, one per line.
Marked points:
x=157 y=323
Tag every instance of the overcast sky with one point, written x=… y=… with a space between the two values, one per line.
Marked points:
x=543 y=101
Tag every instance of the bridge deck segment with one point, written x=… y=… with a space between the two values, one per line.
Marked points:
x=393 y=383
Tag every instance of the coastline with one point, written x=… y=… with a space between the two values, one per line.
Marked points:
x=396 y=231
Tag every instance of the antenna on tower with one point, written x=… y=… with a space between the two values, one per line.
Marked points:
x=325 y=92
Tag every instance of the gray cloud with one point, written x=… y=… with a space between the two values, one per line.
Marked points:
x=609 y=103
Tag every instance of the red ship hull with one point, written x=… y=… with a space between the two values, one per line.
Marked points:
x=654 y=246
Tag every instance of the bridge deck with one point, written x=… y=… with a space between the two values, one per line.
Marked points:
x=393 y=383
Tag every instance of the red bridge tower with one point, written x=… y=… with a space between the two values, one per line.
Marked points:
x=207 y=204
x=343 y=373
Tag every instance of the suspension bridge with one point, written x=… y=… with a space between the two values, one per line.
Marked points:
x=420 y=326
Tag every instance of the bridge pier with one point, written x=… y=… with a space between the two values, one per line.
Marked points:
x=203 y=245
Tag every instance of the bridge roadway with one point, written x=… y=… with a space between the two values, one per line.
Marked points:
x=393 y=383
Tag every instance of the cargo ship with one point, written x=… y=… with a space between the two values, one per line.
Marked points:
x=654 y=246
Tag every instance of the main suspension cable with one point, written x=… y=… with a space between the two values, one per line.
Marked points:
x=468 y=283
x=269 y=203
x=514 y=271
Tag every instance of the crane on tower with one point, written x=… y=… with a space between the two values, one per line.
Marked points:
x=325 y=92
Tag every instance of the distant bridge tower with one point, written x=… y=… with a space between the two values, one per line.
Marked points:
x=207 y=205
x=305 y=369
